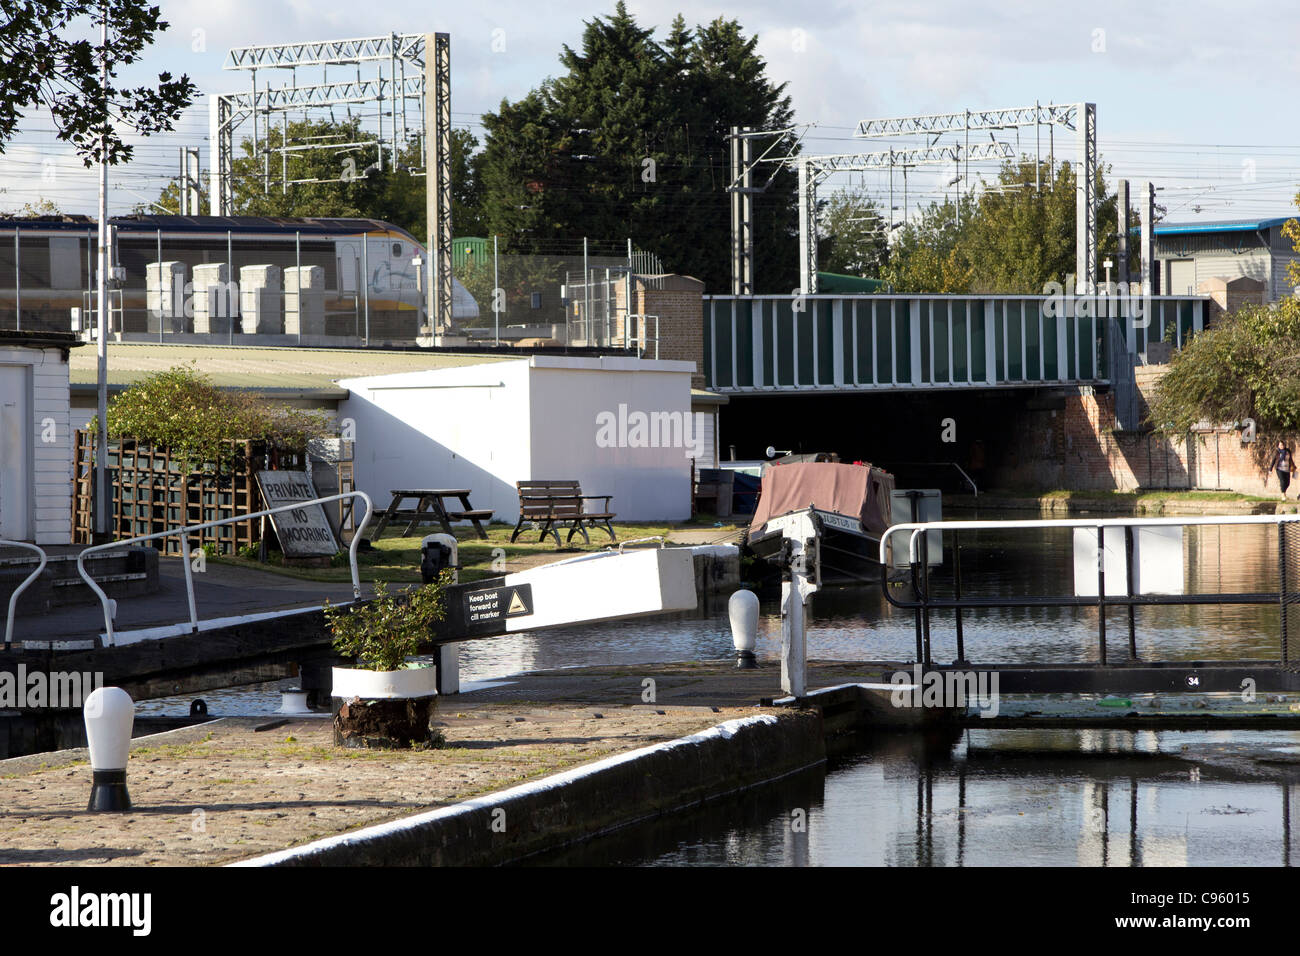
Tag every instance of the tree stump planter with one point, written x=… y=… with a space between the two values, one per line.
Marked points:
x=385 y=710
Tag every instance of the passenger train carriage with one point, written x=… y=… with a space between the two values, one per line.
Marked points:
x=47 y=270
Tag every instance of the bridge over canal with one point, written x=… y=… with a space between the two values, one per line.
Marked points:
x=772 y=344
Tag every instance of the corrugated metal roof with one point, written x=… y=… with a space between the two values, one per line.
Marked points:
x=294 y=369
x=1228 y=225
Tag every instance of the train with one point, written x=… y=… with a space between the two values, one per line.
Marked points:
x=370 y=293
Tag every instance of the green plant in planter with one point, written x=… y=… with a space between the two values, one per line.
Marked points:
x=383 y=633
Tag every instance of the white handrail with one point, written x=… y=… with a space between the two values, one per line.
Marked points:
x=13 y=598
x=661 y=538
x=185 y=553
x=917 y=528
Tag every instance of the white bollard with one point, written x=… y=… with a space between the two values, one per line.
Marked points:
x=742 y=609
x=293 y=702
x=109 y=714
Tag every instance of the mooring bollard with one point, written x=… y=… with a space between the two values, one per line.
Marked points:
x=742 y=609
x=293 y=701
x=109 y=714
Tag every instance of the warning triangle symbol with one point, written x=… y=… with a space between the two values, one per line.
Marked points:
x=517 y=605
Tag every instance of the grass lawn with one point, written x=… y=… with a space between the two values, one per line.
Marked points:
x=397 y=559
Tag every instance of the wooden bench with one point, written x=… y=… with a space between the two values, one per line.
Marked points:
x=555 y=504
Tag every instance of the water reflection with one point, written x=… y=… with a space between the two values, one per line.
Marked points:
x=1001 y=801
x=858 y=624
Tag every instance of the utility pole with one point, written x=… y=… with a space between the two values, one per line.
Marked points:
x=1147 y=212
x=1121 y=251
x=742 y=210
x=101 y=286
x=189 y=181
x=437 y=47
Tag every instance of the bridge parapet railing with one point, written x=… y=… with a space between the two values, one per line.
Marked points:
x=109 y=605
x=13 y=598
x=1125 y=577
x=770 y=343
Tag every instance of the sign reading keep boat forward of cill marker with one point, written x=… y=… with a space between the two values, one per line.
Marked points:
x=303 y=532
x=487 y=608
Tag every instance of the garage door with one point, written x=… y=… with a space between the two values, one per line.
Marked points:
x=1182 y=277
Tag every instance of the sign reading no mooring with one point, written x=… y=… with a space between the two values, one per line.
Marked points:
x=303 y=532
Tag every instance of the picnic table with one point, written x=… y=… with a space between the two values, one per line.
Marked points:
x=432 y=506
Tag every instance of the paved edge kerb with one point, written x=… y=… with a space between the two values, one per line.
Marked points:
x=579 y=803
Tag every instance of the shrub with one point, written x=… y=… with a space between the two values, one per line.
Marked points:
x=384 y=632
x=181 y=409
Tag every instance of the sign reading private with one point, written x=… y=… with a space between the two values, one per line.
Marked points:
x=303 y=532
x=486 y=609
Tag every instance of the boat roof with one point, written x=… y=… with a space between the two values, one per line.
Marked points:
x=858 y=491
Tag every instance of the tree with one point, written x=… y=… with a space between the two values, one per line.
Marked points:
x=855 y=231
x=1246 y=366
x=631 y=142
x=41 y=65
x=927 y=255
x=169 y=200
x=39 y=209
x=343 y=183
x=1014 y=238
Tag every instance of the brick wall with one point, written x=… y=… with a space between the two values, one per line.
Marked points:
x=1073 y=444
x=679 y=305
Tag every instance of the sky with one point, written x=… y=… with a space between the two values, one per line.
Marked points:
x=1194 y=96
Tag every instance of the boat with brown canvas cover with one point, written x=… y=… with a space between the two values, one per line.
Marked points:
x=851 y=504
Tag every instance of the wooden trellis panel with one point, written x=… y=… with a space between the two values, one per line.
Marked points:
x=152 y=491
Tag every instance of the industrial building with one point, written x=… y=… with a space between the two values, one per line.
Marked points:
x=1187 y=254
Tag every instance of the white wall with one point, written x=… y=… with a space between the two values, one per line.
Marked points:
x=485 y=427
x=464 y=427
x=49 y=467
x=568 y=395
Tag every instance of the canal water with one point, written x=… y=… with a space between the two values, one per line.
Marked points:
x=986 y=798
x=995 y=797
x=857 y=623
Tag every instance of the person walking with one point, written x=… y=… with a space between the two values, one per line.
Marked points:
x=1283 y=463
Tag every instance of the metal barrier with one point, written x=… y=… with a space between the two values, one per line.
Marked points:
x=919 y=568
x=13 y=598
x=185 y=554
x=891 y=465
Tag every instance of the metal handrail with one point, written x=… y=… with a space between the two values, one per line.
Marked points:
x=642 y=340
x=917 y=528
x=925 y=603
x=962 y=471
x=661 y=538
x=184 y=532
x=13 y=598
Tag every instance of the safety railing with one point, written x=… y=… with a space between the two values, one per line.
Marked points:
x=109 y=605
x=925 y=602
x=660 y=539
x=893 y=465
x=13 y=598
x=640 y=339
